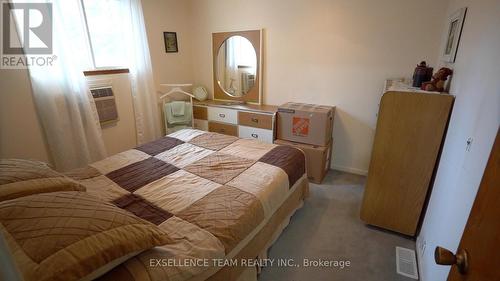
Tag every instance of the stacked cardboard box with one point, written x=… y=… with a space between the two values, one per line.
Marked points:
x=308 y=127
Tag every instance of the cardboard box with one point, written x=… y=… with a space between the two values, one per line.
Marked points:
x=318 y=158
x=305 y=123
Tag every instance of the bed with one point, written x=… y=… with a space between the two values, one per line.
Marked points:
x=220 y=199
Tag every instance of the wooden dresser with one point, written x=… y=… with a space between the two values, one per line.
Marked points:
x=410 y=132
x=240 y=120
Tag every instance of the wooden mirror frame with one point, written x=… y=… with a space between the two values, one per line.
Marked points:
x=255 y=37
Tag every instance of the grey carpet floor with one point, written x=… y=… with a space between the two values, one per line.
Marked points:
x=328 y=227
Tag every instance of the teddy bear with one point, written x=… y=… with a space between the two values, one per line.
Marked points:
x=438 y=80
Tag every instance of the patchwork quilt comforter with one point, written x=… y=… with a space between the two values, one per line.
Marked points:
x=208 y=191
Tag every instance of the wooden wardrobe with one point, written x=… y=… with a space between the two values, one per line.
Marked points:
x=408 y=139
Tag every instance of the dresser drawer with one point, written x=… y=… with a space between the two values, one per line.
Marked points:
x=223 y=115
x=200 y=124
x=221 y=128
x=200 y=112
x=257 y=120
x=263 y=135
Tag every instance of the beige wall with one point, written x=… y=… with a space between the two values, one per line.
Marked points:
x=476 y=115
x=169 y=15
x=333 y=52
x=328 y=52
x=20 y=132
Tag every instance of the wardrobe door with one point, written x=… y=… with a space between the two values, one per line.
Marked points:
x=408 y=138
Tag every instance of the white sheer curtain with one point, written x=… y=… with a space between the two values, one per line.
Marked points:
x=231 y=65
x=239 y=52
x=62 y=98
x=147 y=115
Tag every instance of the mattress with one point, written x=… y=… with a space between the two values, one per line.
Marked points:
x=212 y=193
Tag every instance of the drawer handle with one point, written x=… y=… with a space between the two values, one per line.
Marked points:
x=256 y=120
x=222 y=130
x=255 y=136
x=222 y=115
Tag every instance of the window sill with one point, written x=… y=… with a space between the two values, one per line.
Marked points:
x=105 y=71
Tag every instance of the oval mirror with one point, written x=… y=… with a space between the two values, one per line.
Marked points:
x=236 y=66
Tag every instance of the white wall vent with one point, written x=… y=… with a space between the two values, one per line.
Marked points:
x=406 y=262
x=105 y=103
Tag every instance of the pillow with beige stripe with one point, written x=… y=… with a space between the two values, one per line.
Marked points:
x=72 y=235
x=25 y=177
x=14 y=170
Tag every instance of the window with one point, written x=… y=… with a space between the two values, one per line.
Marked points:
x=105 y=25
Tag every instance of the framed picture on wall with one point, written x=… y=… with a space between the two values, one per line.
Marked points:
x=170 y=42
x=454 y=31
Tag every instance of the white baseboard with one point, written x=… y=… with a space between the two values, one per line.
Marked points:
x=420 y=255
x=350 y=170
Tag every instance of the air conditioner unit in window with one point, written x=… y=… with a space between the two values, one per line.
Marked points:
x=106 y=105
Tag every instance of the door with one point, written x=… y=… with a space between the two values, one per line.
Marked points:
x=409 y=134
x=478 y=254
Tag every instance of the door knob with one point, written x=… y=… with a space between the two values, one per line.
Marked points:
x=443 y=256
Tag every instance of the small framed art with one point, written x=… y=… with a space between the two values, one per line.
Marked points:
x=455 y=24
x=170 y=42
